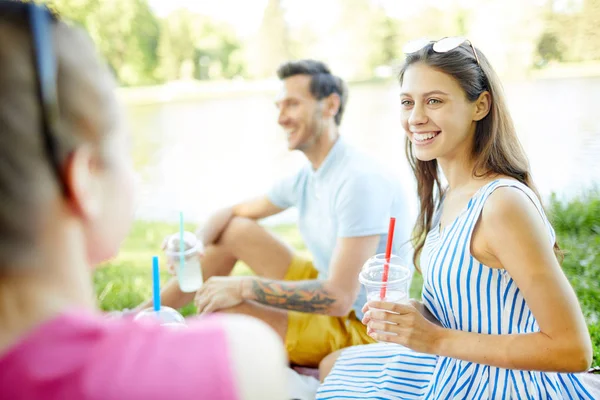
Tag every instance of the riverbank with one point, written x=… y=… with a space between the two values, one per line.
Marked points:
x=193 y=90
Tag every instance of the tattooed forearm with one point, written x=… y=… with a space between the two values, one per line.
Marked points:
x=306 y=296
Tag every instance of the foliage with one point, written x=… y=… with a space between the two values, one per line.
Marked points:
x=577 y=225
x=570 y=32
x=271 y=45
x=125 y=32
x=142 y=49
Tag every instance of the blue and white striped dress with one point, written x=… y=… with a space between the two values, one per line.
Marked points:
x=462 y=294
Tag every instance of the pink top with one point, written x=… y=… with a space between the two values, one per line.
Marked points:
x=81 y=356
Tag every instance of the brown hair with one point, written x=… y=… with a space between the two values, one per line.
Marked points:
x=496 y=148
x=322 y=82
x=27 y=180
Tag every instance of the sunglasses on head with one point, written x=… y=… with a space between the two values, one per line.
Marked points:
x=40 y=20
x=443 y=45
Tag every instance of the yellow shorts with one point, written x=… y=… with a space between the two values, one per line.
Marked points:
x=311 y=337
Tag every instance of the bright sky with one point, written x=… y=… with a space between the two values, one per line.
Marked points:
x=245 y=15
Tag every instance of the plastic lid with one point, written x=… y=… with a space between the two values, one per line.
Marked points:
x=190 y=244
x=372 y=271
x=165 y=316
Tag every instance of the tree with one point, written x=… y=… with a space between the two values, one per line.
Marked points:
x=221 y=51
x=272 y=44
x=548 y=49
x=194 y=46
x=176 y=45
x=362 y=38
x=385 y=39
x=303 y=41
x=507 y=32
x=590 y=30
x=432 y=22
x=73 y=10
x=125 y=32
x=570 y=32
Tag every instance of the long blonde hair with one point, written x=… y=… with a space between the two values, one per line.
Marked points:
x=85 y=97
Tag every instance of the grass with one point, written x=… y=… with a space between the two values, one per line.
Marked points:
x=126 y=281
x=577 y=226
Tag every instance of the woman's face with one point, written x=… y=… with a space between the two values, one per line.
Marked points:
x=99 y=172
x=436 y=115
x=114 y=215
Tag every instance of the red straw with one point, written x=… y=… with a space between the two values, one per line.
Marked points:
x=388 y=255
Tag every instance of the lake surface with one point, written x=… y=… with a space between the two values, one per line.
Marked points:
x=197 y=156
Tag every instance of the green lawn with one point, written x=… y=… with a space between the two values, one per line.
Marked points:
x=126 y=281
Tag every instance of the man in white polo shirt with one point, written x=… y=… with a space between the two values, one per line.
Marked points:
x=344 y=201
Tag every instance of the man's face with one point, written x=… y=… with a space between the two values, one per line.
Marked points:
x=300 y=114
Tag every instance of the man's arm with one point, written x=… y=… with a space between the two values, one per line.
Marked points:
x=257 y=208
x=362 y=209
x=170 y=296
x=333 y=296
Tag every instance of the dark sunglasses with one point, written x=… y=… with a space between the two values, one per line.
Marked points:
x=40 y=20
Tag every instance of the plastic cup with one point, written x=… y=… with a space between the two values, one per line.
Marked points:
x=398 y=282
x=166 y=316
x=120 y=314
x=189 y=275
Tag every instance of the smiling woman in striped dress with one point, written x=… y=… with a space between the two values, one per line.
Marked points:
x=498 y=318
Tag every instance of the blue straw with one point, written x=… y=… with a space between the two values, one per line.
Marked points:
x=155 y=283
x=181 y=244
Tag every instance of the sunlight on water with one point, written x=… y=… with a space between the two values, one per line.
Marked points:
x=199 y=156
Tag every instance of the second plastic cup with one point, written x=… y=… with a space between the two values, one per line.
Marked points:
x=189 y=275
x=166 y=316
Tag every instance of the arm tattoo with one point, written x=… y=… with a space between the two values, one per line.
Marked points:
x=305 y=296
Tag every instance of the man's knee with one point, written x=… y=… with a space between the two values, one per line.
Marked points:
x=238 y=229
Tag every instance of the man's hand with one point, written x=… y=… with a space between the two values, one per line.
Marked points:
x=218 y=293
x=173 y=264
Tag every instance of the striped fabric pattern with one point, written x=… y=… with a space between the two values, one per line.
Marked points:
x=462 y=294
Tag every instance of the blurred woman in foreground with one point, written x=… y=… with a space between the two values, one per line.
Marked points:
x=65 y=205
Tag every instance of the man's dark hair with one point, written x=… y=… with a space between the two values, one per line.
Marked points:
x=322 y=82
